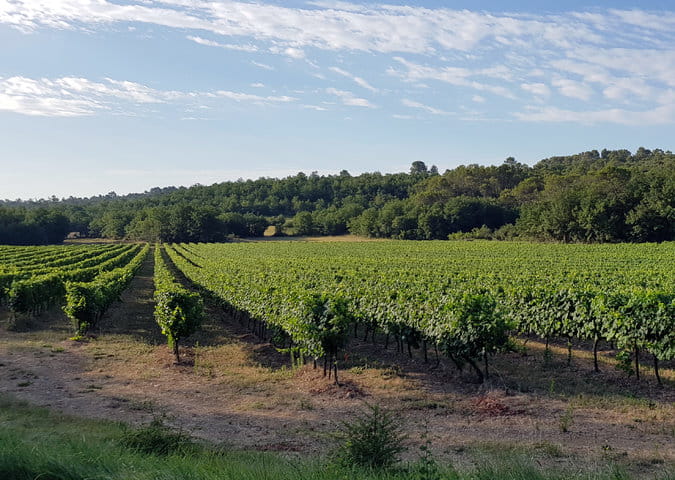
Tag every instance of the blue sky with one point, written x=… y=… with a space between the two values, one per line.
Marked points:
x=124 y=95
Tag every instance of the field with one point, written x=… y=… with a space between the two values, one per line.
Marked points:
x=400 y=309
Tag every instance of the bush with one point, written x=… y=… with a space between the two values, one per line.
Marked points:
x=372 y=440
x=158 y=439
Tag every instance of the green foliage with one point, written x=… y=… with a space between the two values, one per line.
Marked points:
x=624 y=363
x=178 y=312
x=589 y=197
x=37 y=226
x=372 y=440
x=567 y=419
x=39 y=444
x=476 y=328
x=39 y=282
x=87 y=301
x=329 y=317
x=157 y=438
x=464 y=297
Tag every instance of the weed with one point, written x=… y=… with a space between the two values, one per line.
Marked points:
x=372 y=440
x=427 y=468
x=550 y=449
x=157 y=438
x=567 y=419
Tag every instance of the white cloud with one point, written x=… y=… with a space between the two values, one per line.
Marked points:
x=657 y=116
x=358 y=80
x=258 y=85
x=227 y=46
x=646 y=20
x=295 y=53
x=573 y=89
x=46 y=106
x=421 y=106
x=537 y=89
x=334 y=26
x=622 y=89
x=247 y=97
x=458 y=76
x=348 y=98
x=657 y=65
x=74 y=96
x=605 y=58
x=478 y=99
x=264 y=66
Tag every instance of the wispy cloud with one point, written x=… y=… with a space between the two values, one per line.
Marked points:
x=421 y=106
x=573 y=89
x=538 y=89
x=457 y=76
x=605 y=60
x=247 y=97
x=348 y=98
x=264 y=66
x=74 y=96
x=228 y=46
x=358 y=80
x=332 y=26
x=657 y=116
x=296 y=53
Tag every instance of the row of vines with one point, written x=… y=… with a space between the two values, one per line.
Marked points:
x=178 y=311
x=464 y=299
x=83 y=280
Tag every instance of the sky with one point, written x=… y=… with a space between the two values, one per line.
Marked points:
x=125 y=95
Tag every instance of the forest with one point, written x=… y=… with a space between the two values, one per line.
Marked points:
x=591 y=197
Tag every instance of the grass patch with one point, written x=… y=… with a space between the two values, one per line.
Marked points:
x=35 y=443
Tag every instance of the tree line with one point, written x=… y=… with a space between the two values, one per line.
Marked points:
x=607 y=196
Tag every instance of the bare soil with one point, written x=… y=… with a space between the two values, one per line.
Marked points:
x=235 y=390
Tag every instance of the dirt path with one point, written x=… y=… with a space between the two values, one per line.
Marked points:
x=237 y=391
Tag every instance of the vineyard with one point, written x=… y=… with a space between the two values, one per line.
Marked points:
x=462 y=299
x=272 y=344
x=85 y=280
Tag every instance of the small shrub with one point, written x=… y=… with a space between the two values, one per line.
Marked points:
x=567 y=419
x=158 y=439
x=373 y=440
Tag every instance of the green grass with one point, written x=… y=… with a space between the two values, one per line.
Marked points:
x=38 y=444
